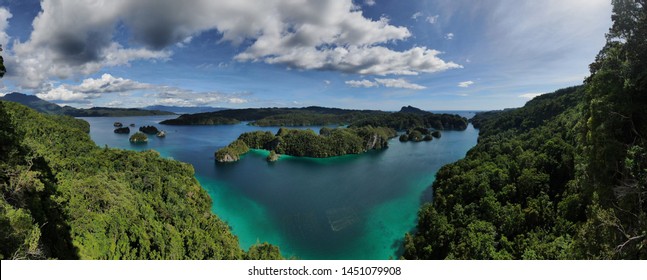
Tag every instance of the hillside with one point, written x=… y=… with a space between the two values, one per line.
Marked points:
x=563 y=177
x=46 y=107
x=310 y=116
x=63 y=197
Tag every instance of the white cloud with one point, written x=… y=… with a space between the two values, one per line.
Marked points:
x=449 y=36
x=369 y=2
x=390 y=83
x=399 y=83
x=416 y=15
x=362 y=83
x=172 y=96
x=72 y=38
x=5 y=15
x=530 y=95
x=108 y=84
x=432 y=19
x=327 y=82
x=92 y=89
x=465 y=84
x=61 y=93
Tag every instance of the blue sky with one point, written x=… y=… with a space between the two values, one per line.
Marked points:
x=379 y=54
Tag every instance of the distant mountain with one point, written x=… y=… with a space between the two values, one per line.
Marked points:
x=412 y=110
x=184 y=110
x=43 y=106
x=33 y=102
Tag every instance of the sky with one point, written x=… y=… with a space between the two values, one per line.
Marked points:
x=361 y=54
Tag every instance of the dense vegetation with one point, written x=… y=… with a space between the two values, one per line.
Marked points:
x=64 y=197
x=122 y=130
x=408 y=117
x=138 y=138
x=563 y=177
x=403 y=121
x=149 y=129
x=232 y=152
x=307 y=143
x=418 y=134
x=51 y=108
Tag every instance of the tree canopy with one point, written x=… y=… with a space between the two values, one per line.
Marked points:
x=563 y=177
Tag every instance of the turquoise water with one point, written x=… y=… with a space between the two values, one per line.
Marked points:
x=349 y=207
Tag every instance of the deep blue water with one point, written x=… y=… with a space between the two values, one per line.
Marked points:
x=349 y=207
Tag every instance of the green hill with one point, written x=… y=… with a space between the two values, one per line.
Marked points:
x=64 y=197
x=564 y=177
x=46 y=107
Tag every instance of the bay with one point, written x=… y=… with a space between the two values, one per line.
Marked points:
x=348 y=207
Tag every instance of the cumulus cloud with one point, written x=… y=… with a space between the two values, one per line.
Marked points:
x=449 y=36
x=530 y=95
x=108 y=84
x=416 y=15
x=465 y=84
x=5 y=15
x=77 y=37
x=369 y=2
x=390 y=83
x=62 y=93
x=91 y=89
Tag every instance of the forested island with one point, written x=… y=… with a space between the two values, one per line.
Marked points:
x=329 y=142
x=63 y=197
x=564 y=177
x=407 y=117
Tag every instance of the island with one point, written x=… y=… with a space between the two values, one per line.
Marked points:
x=139 y=138
x=407 y=117
x=149 y=129
x=329 y=142
x=418 y=134
x=122 y=130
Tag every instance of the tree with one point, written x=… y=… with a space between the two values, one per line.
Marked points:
x=3 y=70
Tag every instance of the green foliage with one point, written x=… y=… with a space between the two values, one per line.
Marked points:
x=3 y=70
x=409 y=117
x=500 y=201
x=563 y=177
x=403 y=121
x=149 y=129
x=232 y=152
x=306 y=143
x=138 y=138
x=63 y=197
x=418 y=134
x=613 y=139
x=263 y=251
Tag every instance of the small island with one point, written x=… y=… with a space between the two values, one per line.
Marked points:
x=138 y=138
x=273 y=156
x=329 y=142
x=122 y=130
x=149 y=129
x=418 y=134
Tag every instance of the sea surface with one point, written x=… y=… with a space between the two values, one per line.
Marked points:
x=348 y=207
